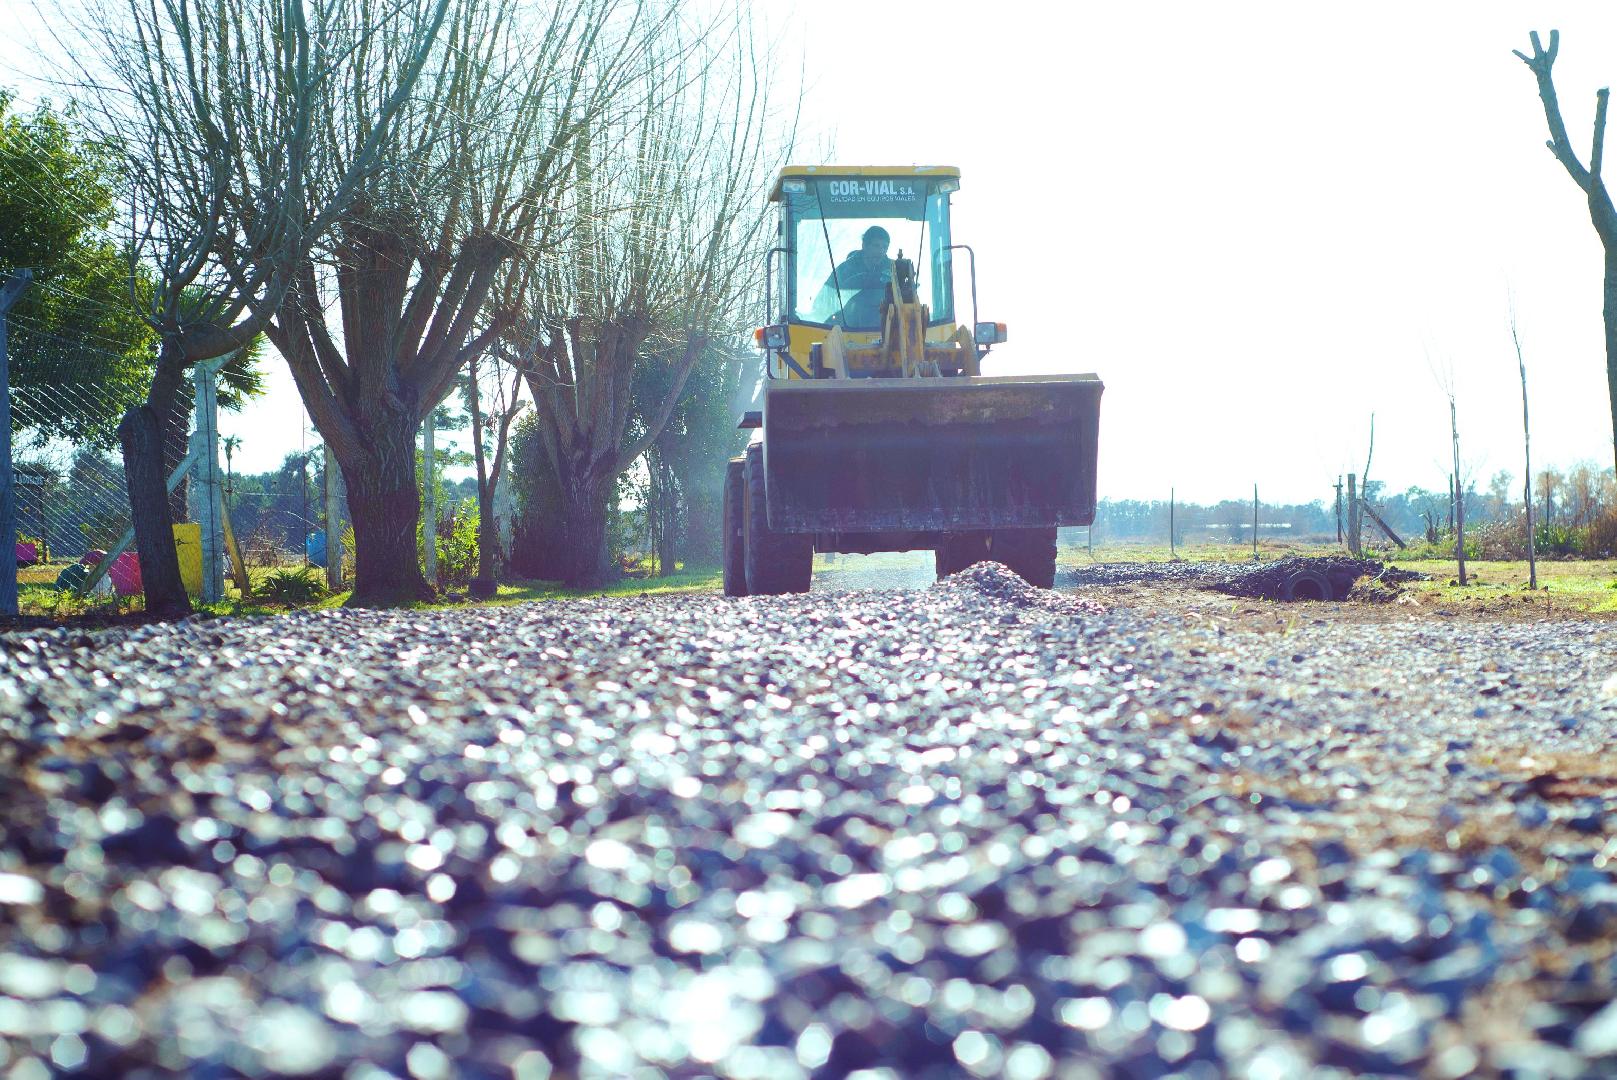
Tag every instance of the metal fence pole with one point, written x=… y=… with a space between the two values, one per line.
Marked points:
x=207 y=436
x=1254 y=522
x=429 y=499
x=333 y=525
x=10 y=292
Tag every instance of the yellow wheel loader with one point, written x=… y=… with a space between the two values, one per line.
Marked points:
x=876 y=429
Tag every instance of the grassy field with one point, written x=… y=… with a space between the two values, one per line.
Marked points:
x=1565 y=586
x=1584 y=585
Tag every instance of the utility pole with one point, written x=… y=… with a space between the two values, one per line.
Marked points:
x=207 y=438
x=333 y=525
x=10 y=293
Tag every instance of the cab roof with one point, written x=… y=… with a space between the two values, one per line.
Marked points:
x=948 y=171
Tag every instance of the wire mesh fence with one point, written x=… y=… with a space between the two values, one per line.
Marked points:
x=66 y=469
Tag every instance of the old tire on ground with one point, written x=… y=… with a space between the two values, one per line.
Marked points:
x=776 y=562
x=1306 y=585
x=735 y=529
x=1029 y=552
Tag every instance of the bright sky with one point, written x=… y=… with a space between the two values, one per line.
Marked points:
x=1258 y=222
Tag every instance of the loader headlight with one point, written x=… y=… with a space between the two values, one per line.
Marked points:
x=989 y=333
x=772 y=337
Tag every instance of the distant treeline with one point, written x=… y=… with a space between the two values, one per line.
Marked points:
x=1565 y=503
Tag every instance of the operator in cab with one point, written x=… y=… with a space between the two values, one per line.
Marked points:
x=862 y=278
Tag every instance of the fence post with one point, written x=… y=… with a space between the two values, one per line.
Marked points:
x=1353 y=514
x=333 y=523
x=207 y=437
x=10 y=293
x=1254 y=523
x=1338 y=509
x=429 y=498
x=1173 y=550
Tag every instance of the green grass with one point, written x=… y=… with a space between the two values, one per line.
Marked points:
x=38 y=598
x=692 y=580
x=1587 y=585
x=1579 y=585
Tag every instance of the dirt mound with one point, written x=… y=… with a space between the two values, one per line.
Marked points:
x=1296 y=578
x=1291 y=578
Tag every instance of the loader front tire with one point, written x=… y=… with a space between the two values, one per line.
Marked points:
x=735 y=528
x=776 y=562
x=1029 y=552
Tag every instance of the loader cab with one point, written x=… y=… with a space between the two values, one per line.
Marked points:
x=828 y=274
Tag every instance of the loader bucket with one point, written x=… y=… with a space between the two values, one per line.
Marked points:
x=930 y=454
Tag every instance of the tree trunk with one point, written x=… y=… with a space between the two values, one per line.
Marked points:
x=385 y=508
x=540 y=536
x=584 y=514
x=668 y=526
x=1609 y=312
x=141 y=437
x=482 y=585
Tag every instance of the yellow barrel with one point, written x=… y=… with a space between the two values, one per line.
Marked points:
x=188 y=542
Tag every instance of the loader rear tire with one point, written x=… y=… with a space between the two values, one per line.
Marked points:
x=776 y=562
x=1029 y=552
x=735 y=528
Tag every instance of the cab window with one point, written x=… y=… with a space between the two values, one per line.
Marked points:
x=845 y=235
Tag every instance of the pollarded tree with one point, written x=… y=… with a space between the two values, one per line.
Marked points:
x=217 y=111
x=388 y=309
x=1593 y=186
x=665 y=240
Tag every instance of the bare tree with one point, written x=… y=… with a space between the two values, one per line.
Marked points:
x=490 y=461
x=398 y=297
x=1527 y=455
x=1459 y=487
x=1590 y=182
x=664 y=243
x=215 y=109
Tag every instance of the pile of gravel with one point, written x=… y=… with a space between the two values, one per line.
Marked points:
x=967 y=830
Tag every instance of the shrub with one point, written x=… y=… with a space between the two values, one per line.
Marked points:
x=1555 y=541
x=1498 y=540
x=302 y=585
x=1600 y=538
x=457 y=544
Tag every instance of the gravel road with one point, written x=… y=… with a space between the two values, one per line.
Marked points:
x=968 y=829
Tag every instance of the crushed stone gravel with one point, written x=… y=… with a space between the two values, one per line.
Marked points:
x=972 y=829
